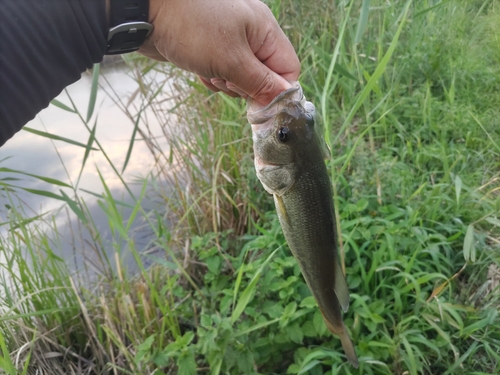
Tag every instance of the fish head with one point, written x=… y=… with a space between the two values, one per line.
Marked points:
x=282 y=132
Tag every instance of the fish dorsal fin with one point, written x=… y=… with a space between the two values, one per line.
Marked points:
x=340 y=288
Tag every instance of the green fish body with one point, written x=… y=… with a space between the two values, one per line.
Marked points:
x=289 y=159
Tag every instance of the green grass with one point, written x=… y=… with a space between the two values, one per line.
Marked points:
x=409 y=103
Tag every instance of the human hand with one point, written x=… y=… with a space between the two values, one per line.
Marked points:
x=235 y=46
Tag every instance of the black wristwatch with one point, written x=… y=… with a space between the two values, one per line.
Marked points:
x=129 y=25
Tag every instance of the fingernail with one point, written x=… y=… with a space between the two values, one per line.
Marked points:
x=237 y=90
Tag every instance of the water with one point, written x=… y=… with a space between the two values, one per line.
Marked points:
x=38 y=155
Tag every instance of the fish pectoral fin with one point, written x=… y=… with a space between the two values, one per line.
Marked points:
x=340 y=288
x=280 y=208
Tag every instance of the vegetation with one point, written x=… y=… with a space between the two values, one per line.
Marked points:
x=408 y=93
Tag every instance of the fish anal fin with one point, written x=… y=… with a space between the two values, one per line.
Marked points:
x=340 y=288
x=345 y=340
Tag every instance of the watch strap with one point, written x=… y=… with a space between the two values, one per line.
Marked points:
x=129 y=25
x=124 y=11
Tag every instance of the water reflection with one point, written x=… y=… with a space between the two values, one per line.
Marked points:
x=34 y=154
x=38 y=155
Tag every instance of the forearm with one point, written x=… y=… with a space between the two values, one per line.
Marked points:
x=44 y=47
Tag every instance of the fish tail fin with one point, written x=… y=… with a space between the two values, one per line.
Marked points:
x=345 y=340
x=349 y=350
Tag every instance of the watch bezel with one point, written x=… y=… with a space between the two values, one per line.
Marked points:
x=128 y=28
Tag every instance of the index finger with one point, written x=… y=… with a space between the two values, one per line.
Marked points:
x=274 y=50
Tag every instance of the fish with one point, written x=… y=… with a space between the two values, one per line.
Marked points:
x=289 y=158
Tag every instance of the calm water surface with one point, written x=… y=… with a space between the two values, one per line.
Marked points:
x=34 y=154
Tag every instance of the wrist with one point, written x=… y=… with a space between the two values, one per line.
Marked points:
x=154 y=7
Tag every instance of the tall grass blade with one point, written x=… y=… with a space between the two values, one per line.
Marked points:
x=5 y=360
x=74 y=207
x=56 y=137
x=469 y=248
x=36 y=313
x=93 y=91
x=433 y=7
x=247 y=295
x=458 y=363
x=495 y=143
x=411 y=356
x=49 y=180
x=338 y=68
x=88 y=148
x=458 y=188
x=28 y=358
x=326 y=89
x=43 y=193
x=132 y=141
x=63 y=106
x=239 y=277
x=22 y=222
x=363 y=21
x=376 y=75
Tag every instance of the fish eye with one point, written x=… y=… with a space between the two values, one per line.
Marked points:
x=283 y=134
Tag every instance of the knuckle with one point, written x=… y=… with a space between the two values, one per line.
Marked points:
x=264 y=88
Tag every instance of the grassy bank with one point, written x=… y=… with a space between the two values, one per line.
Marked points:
x=408 y=95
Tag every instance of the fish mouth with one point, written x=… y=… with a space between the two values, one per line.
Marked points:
x=259 y=164
x=259 y=116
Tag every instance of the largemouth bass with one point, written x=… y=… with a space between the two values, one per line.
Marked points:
x=289 y=159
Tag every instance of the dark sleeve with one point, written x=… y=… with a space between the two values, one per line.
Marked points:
x=45 y=45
